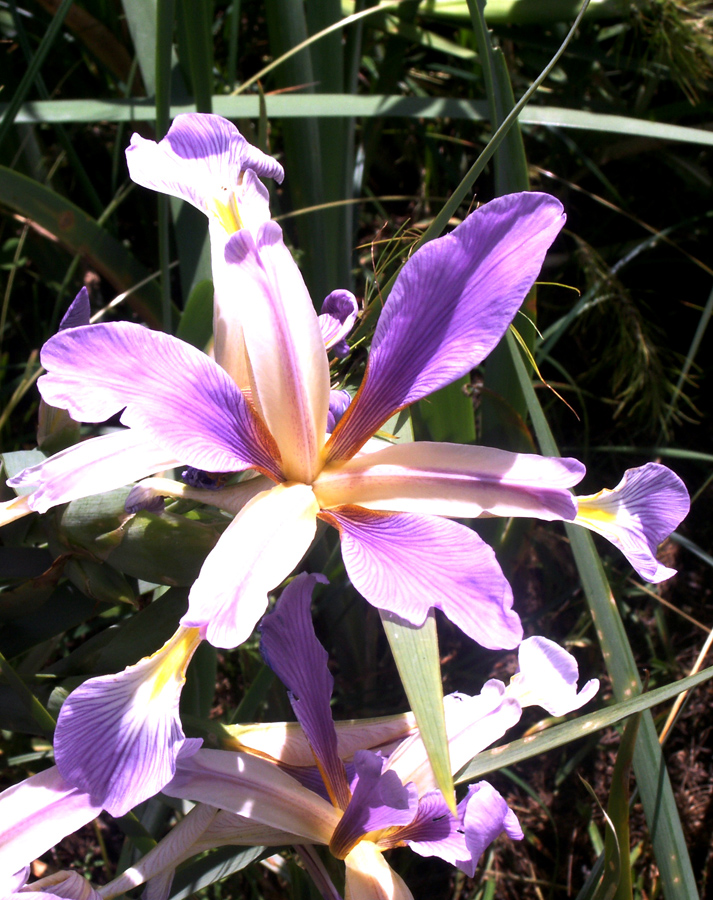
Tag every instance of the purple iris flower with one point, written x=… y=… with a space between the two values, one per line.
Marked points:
x=365 y=802
x=266 y=405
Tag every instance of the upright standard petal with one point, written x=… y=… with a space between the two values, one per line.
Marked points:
x=639 y=513
x=548 y=678
x=290 y=647
x=288 y=362
x=36 y=814
x=259 y=548
x=170 y=392
x=118 y=736
x=408 y=564
x=92 y=467
x=453 y=480
x=204 y=159
x=450 y=305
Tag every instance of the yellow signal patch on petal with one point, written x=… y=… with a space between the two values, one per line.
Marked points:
x=172 y=660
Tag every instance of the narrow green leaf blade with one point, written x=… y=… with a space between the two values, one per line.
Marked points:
x=416 y=653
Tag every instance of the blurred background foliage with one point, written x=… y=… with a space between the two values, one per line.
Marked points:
x=376 y=123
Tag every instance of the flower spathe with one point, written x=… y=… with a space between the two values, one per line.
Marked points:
x=449 y=306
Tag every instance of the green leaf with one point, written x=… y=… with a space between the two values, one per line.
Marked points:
x=81 y=234
x=196 y=325
x=617 y=844
x=415 y=651
x=194 y=876
x=446 y=415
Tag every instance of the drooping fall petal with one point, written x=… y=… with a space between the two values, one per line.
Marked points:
x=118 y=736
x=637 y=515
x=408 y=563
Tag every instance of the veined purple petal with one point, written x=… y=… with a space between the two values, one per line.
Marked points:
x=338 y=403
x=259 y=549
x=548 y=678
x=486 y=816
x=36 y=814
x=453 y=480
x=91 y=467
x=170 y=392
x=379 y=800
x=407 y=563
x=118 y=736
x=79 y=311
x=205 y=160
x=288 y=362
x=339 y=313
x=69 y=885
x=290 y=647
x=435 y=831
x=637 y=515
x=450 y=305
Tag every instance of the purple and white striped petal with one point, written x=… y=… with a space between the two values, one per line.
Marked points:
x=288 y=362
x=257 y=551
x=204 y=160
x=68 y=885
x=336 y=319
x=255 y=789
x=453 y=480
x=171 y=393
x=91 y=467
x=637 y=515
x=379 y=800
x=36 y=814
x=450 y=305
x=118 y=736
x=407 y=564
x=548 y=678
x=486 y=816
x=435 y=831
x=290 y=647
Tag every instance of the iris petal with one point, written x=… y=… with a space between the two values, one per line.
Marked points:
x=449 y=307
x=392 y=557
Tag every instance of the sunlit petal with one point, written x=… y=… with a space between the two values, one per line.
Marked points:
x=257 y=551
x=453 y=480
x=548 y=678
x=203 y=159
x=68 y=885
x=486 y=816
x=118 y=736
x=472 y=724
x=450 y=305
x=170 y=392
x=370 y=877
x=92 y=467
x=255 y=789
x=36 y=814
x=407 y=564
x=288 y=361
x=639 y=513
